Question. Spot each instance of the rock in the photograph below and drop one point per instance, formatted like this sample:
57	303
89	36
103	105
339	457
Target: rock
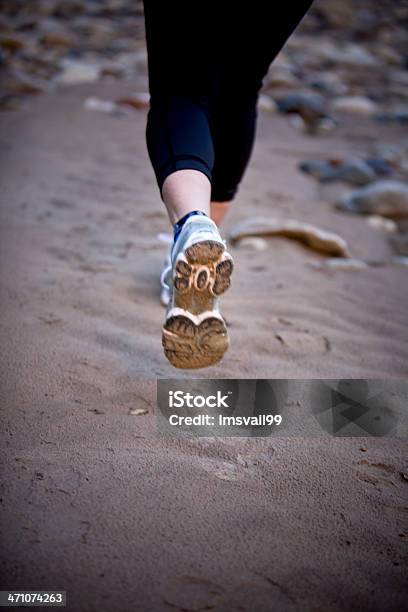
138	411
325	125
344	263
348	55
77	71
329	83
253	243
385	198
382	224
313	237
352	171
103	106
310	107
281	78
358	105
317	168
138	101
114	70
266	103
380	166
304	104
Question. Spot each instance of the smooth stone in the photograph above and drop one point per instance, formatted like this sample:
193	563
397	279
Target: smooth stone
386	198
358	105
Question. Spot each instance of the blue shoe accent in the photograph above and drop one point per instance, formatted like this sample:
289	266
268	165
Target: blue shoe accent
179	225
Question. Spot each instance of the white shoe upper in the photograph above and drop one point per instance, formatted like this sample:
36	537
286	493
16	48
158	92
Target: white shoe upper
166	281
196	229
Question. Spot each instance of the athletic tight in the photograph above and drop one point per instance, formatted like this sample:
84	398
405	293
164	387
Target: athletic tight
206	63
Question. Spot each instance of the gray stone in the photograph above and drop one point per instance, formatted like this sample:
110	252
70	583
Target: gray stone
386	198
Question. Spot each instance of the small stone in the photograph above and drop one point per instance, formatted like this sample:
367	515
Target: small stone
350	56
385	198
380	166
346	263
326	125
266	103
308	106
76	71
358	105
139	101
317	168
380	223
352	171
103	106
282	78
138	411
253	243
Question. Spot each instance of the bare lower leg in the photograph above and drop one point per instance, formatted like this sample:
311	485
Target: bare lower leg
184	191
218	211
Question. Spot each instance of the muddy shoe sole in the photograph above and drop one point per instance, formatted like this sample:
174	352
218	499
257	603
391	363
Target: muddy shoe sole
191	344
201	274
195	335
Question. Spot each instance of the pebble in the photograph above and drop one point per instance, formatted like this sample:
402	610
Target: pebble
386	198
77	71
138	411
267	104
138	101
344	263
253	243
358	105
380	223
103	106
353	171
304	104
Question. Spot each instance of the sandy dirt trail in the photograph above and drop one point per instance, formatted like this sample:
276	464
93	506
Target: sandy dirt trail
93	500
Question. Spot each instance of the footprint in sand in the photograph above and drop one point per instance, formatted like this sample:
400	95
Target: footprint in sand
230	460
54	479
378	473
303	342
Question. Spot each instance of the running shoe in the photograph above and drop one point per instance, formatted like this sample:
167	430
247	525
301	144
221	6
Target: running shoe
194	333
166	281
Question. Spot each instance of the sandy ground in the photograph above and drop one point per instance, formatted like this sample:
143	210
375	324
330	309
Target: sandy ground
93	501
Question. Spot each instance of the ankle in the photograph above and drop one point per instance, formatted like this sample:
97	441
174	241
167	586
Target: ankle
178	226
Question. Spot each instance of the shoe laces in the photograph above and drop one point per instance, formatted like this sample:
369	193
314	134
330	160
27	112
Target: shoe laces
163	277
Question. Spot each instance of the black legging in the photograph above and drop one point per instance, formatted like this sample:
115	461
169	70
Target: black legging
206	65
